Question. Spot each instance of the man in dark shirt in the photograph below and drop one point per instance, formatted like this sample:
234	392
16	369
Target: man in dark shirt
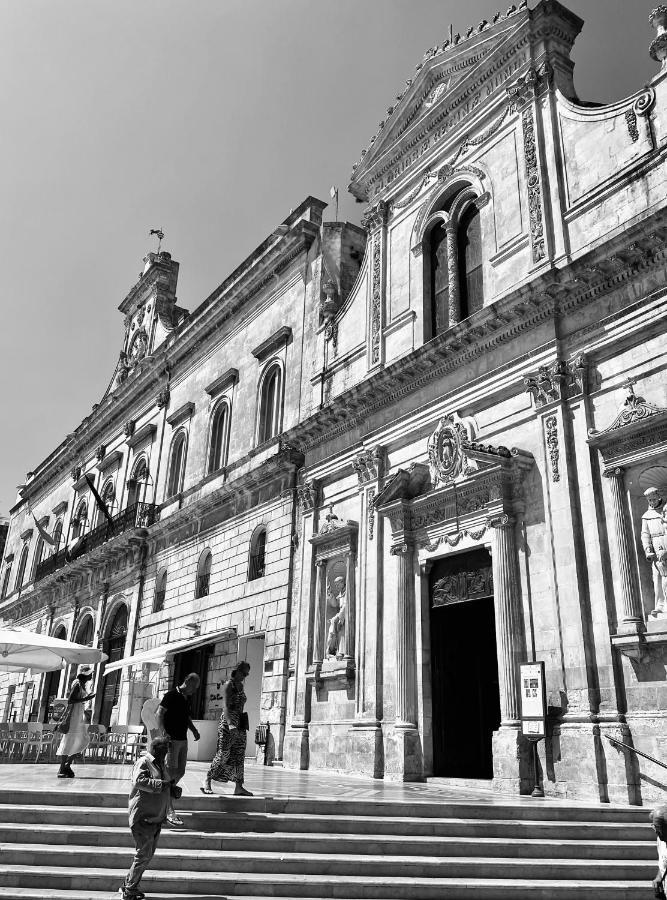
174	720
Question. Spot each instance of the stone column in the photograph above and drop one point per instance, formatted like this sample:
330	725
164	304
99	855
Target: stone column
630	608
453	274
406	684
350	612
318	612
509	625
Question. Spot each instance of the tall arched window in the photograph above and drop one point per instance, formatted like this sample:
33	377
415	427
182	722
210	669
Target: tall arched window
270	404
39	554
219	428
114	647
57	535
80	520
176	464
471	284
439	279
136	485
5	581
108	496
257	562
85	632
203	586
20	572
160	590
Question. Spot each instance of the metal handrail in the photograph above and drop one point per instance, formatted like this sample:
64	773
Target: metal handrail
638	752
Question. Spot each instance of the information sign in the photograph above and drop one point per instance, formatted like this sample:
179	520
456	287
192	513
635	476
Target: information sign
533	700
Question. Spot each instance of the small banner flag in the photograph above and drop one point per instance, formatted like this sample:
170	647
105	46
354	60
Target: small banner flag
43	533
98	499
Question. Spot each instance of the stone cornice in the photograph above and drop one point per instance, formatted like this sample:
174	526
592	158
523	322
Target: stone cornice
231	376
282	336
181	414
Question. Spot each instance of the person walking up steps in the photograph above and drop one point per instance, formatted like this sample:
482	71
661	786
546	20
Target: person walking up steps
150	798
229	762
174	720
74	727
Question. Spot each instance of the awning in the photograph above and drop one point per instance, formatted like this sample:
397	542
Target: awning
158	655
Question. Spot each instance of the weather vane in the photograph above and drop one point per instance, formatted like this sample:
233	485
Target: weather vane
159	233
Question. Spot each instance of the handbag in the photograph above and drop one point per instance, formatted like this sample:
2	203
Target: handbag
244	722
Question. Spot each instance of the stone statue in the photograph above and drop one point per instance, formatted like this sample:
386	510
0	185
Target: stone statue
336	636
654	542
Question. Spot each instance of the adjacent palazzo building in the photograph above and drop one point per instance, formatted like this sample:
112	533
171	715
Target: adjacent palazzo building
388	465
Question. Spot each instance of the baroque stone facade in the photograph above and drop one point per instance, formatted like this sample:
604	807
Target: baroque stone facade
440	455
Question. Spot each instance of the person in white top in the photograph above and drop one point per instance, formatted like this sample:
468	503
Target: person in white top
659	822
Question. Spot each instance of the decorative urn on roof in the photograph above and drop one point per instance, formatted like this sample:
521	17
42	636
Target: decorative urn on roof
658	47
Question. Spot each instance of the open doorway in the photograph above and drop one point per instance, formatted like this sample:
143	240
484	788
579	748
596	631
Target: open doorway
464	666
251	649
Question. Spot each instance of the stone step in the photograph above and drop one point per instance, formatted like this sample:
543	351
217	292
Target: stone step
293	842
201	863
483	809
360	825
176	884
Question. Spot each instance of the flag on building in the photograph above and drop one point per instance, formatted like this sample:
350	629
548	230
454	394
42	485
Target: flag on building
43	533
100	503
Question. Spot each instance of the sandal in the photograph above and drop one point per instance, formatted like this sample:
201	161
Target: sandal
206	790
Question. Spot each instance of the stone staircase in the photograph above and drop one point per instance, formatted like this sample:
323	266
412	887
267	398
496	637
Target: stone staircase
77	845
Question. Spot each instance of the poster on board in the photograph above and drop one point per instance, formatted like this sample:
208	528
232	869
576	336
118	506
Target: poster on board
533	700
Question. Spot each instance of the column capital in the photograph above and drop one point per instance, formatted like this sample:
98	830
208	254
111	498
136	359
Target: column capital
503	520
614	472
321	563
400	549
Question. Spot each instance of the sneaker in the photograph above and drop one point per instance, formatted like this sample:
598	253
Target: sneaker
173	819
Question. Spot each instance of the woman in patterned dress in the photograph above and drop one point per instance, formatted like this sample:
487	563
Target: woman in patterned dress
228	763
77	737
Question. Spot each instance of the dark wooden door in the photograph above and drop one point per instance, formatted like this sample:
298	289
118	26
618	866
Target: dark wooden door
464	666
114	647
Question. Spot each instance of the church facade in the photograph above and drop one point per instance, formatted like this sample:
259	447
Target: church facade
391	464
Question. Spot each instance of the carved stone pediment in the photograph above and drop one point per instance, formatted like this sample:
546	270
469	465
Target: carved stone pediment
638	431
335	538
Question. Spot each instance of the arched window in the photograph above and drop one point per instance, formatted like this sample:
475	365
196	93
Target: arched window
203	585
439	279
39	554
80	520
219	428
5	581
136	483
176	464
160	591
20	572
108	496
270	404
57	535
471	283
85	632
257	563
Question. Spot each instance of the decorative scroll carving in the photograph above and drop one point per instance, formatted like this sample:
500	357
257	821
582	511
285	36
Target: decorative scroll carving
370	513
551	426
162	398
461	586
534	188
631	122
634	409
446	456
376	301
559	380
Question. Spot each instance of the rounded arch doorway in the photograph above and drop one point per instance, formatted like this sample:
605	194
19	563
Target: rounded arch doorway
114	647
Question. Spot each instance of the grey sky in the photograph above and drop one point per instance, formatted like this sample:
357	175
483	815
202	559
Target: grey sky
211	119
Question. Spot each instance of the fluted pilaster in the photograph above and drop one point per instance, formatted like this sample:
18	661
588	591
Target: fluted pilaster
509	625
406	674
630	606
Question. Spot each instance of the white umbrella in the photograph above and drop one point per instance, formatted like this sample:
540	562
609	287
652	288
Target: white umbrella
21	650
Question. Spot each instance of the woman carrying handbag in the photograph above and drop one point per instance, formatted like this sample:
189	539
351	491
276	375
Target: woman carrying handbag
74	727
228	763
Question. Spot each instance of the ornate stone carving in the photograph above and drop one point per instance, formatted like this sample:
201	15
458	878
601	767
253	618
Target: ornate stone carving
631	122
557	381
370	512
447	459
332	523
76	473
453	539
534	186
531	85
162	398
336	633
376	216
658	47
654	542
368	464
376	301
634	409
129	427
460	586
101	452
551	426
307	495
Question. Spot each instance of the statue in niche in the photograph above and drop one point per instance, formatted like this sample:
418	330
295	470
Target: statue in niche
139	346
654	542
336	635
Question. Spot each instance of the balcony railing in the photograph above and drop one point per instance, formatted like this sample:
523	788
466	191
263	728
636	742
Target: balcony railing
140	515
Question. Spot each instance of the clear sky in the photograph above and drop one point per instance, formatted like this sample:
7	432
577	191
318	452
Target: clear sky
210	119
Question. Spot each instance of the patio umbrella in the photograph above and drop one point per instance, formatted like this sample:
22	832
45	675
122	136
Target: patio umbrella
21	650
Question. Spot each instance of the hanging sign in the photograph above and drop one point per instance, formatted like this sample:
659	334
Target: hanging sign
533	700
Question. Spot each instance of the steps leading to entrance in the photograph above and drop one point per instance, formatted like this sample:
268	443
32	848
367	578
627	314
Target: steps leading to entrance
77	845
